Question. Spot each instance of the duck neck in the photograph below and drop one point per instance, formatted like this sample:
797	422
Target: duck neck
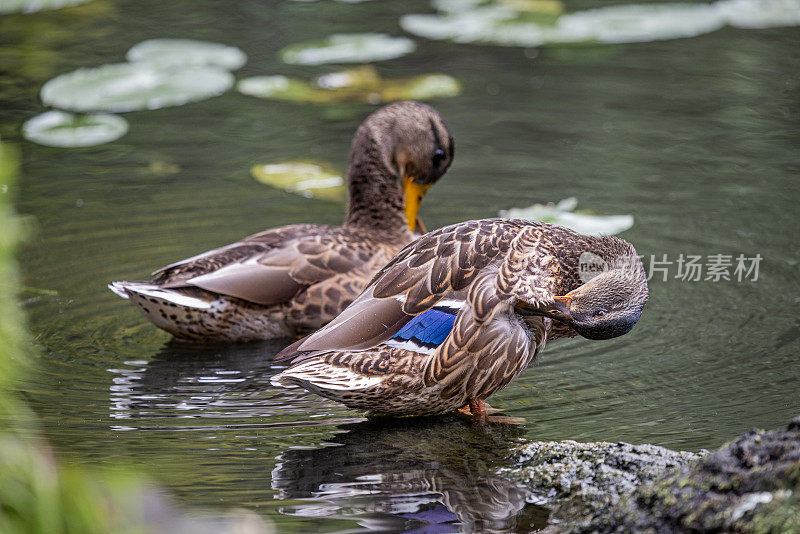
375	200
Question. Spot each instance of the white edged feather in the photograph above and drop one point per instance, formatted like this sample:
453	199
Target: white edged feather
150	290
319	375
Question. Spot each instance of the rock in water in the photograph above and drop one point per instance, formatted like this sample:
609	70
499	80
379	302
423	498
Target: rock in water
580	482
751	484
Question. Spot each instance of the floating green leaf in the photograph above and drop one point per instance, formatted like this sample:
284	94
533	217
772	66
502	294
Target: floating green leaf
562	214
348	48
279	88
760	13
32	6
535	23
61	129
361	84
302	177
420	88
123	87
187	52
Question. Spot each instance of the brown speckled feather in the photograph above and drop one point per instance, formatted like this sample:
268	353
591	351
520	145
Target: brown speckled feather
482	268
294	279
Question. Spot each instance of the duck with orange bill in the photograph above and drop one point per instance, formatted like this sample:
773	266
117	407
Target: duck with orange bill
461	312
293	279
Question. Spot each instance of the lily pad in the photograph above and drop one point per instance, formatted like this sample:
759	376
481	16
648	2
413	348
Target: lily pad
361	84
635	23
422	87
62	129
760	13
302	177
123	87
562	214
32	6
279	88
348	48
365	78
187	52
526	23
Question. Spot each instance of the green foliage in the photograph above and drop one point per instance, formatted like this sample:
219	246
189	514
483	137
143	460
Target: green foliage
37	494
13	340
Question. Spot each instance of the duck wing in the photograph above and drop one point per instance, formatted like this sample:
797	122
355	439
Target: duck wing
435	271
272	266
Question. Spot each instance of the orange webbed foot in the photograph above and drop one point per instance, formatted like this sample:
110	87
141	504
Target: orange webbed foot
479	411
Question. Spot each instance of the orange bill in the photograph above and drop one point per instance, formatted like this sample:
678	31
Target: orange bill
412	197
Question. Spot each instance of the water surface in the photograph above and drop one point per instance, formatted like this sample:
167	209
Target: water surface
698	139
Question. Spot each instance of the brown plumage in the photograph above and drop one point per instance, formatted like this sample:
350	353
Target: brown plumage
462	311
293	279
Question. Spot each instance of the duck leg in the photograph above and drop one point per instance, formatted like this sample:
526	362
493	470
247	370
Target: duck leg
479	411
467	411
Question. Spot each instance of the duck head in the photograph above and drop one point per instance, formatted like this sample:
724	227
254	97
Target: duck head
605	307
407	143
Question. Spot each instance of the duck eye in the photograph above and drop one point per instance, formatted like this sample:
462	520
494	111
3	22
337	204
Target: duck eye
599	313
438	156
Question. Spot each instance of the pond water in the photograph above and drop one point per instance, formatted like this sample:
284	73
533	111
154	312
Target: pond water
698	139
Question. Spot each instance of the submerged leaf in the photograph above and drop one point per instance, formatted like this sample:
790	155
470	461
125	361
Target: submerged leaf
535	23
348	48
306	178
187	52
61	129
32	6
123	87
562	215
361	84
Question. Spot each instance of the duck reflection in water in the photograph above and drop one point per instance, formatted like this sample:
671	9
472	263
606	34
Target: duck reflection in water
212	384
428	475
419	475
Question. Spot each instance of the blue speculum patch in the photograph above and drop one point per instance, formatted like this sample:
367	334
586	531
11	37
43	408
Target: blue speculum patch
429	329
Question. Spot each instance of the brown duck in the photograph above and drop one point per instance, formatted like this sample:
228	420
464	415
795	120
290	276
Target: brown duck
462	311
294	279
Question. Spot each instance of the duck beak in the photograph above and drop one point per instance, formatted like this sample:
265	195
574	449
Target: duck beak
561	307
558	310
412	197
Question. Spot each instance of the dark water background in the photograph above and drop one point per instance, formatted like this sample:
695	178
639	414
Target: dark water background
698	139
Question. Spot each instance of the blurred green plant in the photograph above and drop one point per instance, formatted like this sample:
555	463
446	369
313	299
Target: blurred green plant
39	494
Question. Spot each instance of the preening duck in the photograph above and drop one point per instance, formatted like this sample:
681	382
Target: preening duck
462	311
293	279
